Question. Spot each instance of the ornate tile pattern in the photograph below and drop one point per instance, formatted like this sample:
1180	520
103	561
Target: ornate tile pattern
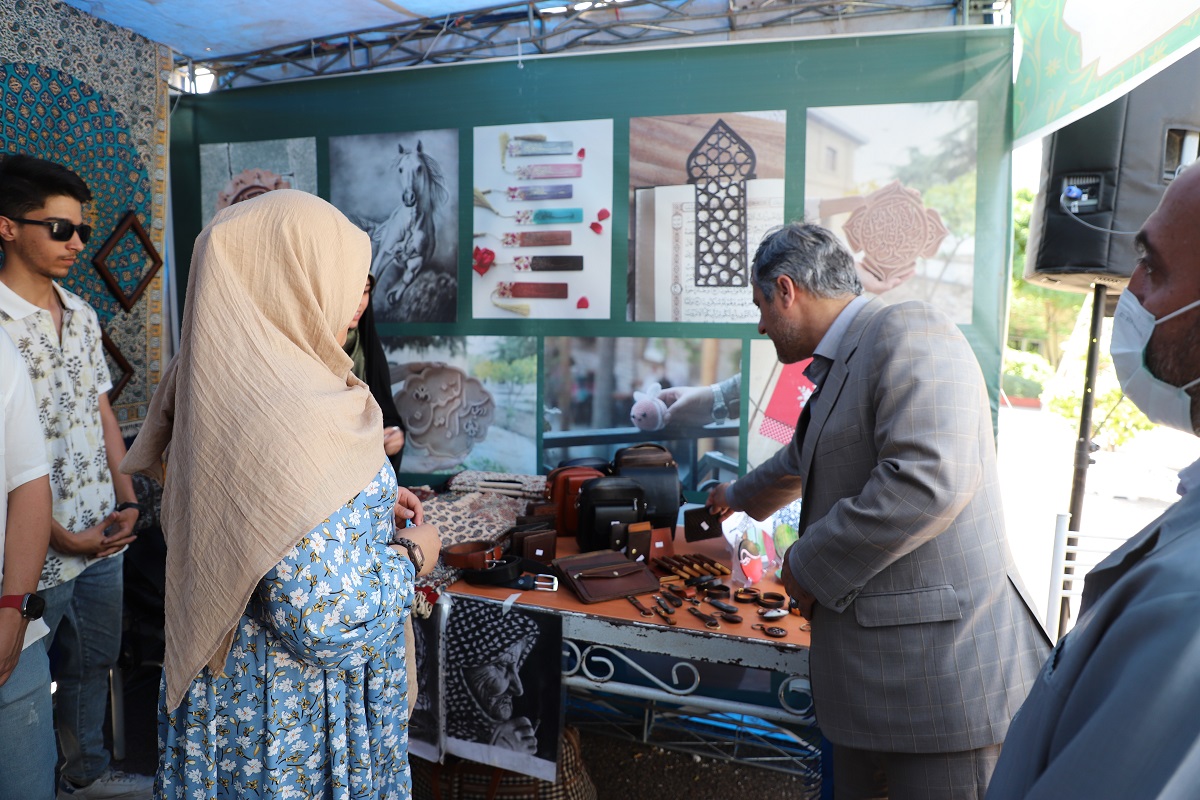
93	97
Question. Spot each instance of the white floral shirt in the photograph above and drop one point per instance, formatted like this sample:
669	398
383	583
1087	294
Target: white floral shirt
68	378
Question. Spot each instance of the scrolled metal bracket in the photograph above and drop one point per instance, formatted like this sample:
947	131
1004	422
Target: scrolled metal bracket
598	663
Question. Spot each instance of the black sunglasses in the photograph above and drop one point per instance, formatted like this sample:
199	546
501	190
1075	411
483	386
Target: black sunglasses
60	229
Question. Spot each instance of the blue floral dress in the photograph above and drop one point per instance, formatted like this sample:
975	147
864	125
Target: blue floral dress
314	700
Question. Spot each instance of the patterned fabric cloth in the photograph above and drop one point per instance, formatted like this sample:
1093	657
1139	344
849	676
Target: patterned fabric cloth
467	517
313	700
67	382
86	94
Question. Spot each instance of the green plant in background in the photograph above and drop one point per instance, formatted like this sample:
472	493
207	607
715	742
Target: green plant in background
1025	373
1114	420
1039	319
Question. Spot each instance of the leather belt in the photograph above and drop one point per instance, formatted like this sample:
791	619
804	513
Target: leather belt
472	555
507	572
498	573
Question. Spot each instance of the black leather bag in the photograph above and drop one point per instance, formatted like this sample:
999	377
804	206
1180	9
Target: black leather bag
605	504
654	468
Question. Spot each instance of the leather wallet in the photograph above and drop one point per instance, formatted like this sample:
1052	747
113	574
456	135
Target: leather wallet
700	523
536	545
637	541
604	575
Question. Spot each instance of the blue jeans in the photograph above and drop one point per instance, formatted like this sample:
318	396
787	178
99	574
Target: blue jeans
28	756
84	616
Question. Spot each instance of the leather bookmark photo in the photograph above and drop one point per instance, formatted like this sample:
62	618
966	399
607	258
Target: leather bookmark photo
537	239
555	291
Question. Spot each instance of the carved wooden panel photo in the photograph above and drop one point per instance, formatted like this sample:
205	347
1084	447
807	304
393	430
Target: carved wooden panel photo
468	402
897	184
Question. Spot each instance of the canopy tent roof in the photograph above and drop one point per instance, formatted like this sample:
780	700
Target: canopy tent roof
250	41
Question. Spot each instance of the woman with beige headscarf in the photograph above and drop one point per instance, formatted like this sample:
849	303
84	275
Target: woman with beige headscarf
286	595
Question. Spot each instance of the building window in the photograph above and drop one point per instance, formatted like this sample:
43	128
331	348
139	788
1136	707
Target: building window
831	154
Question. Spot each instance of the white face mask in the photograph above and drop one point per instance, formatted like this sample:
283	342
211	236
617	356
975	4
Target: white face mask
1159	401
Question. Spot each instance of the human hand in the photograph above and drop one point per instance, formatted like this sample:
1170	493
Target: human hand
93	542
718	501
393	440
12	638
408	507
878	284
517	734
805	600
688	405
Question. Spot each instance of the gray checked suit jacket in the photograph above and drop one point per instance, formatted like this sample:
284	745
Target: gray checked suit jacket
923	640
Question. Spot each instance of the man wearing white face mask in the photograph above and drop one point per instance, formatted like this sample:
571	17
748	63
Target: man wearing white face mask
1116	709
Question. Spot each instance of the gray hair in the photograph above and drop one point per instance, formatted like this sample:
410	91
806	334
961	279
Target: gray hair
811	256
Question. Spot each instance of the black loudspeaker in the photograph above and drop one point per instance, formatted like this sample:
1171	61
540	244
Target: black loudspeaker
1121	158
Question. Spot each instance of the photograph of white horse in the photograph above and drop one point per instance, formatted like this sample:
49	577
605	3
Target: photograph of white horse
400	188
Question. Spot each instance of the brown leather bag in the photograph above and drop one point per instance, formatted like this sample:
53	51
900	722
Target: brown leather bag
562	489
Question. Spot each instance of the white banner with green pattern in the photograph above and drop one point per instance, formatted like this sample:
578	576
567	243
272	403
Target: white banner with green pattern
1076	56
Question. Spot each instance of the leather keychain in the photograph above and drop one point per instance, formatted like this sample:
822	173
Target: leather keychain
728	609
773	631
645	612
667	618
663	604
672	598
709	621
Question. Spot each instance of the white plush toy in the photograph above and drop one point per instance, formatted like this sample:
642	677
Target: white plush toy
648	412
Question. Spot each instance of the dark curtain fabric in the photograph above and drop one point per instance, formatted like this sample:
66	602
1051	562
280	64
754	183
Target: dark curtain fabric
377	375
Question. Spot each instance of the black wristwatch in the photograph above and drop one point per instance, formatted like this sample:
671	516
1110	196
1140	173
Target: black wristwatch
135	506
30	605
415	554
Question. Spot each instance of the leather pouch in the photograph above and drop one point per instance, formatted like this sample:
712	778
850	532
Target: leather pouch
537	545
562	488
604	503
637	541
699	523
643	455
604	575
653	466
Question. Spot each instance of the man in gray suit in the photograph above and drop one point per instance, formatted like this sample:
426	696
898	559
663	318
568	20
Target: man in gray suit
1116	709
923	644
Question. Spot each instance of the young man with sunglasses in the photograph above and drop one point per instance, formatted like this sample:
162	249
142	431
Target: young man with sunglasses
95	508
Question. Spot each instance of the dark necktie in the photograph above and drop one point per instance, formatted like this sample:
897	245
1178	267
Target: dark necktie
816	372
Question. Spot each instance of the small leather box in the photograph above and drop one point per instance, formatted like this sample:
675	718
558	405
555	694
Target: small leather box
700	523
540	545
637	541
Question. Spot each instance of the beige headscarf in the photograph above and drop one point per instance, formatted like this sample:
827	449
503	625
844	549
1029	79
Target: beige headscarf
269	431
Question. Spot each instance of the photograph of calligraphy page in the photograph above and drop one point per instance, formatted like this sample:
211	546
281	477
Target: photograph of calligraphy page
678	297
703	189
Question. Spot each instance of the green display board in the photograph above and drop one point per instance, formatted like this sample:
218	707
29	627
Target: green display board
782	91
